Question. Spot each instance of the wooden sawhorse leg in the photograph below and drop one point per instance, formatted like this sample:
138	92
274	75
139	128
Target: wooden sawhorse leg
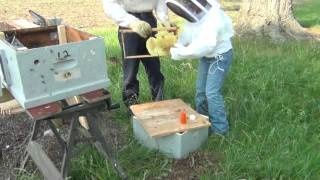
46	166
38	155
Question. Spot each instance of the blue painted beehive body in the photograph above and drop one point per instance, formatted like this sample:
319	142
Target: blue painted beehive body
43	71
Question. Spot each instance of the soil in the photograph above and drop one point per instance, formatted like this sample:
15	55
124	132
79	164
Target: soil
77	13
15	132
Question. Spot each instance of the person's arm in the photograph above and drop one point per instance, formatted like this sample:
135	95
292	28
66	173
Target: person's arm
201	46
197	47
113	10
162	11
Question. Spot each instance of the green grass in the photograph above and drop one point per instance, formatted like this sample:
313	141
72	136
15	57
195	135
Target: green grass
273	104
273	101
308	13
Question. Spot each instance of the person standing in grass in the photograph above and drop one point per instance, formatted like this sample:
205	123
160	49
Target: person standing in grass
138	15
207	35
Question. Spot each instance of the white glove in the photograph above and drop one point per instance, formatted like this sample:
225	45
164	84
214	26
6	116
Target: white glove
179	52
175	54
142	28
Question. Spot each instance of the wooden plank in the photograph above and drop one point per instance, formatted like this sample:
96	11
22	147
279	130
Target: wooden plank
140	56
75	35
95	96
5	26
44	110
22	24
62	34
163	118
37	37
170	29
2	35
43	162
74	100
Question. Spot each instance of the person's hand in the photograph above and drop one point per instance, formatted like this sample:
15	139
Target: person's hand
175	54
142	28
181	52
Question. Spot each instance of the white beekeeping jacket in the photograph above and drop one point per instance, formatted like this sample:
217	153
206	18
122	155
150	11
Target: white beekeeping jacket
209	37
118	9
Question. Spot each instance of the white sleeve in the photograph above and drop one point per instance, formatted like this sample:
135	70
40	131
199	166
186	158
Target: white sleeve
201	46
162	11
184	37
113	10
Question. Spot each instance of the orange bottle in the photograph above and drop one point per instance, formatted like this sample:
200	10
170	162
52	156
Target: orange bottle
183	117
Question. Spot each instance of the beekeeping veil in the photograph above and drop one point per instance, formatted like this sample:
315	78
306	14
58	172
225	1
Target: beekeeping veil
191	10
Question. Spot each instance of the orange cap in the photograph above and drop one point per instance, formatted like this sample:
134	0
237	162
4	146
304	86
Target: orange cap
183	117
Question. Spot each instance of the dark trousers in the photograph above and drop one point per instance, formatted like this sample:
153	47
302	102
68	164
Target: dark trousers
136	45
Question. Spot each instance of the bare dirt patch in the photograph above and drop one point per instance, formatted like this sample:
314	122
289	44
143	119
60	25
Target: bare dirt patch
15	132
77	13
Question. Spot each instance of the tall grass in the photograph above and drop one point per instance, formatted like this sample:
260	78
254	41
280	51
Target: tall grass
308	13
273	101
273	105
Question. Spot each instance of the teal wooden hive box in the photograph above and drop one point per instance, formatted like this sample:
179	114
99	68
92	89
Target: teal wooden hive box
157	126
36	69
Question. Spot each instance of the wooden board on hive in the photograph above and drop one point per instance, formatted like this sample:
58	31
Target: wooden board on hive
22	24
163	118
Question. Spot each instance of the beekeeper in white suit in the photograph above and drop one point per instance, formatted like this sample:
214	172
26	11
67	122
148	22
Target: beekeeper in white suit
206	35
138	16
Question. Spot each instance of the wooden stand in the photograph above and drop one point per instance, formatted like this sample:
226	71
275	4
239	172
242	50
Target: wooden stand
94	102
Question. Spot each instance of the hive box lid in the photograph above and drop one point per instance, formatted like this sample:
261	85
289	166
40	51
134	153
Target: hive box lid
16	25
163	118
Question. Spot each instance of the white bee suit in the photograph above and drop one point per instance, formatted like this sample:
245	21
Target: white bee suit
118	10
208	37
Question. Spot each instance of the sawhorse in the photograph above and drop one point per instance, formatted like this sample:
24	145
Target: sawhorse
91	106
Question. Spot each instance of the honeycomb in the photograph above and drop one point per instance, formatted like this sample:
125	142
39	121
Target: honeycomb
160	44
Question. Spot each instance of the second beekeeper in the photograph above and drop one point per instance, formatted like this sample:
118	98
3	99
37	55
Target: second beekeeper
138	15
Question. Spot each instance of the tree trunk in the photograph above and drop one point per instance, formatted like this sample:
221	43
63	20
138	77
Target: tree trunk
272	18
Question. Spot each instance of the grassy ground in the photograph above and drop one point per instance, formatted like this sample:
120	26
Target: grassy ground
272	98
308	13
273	105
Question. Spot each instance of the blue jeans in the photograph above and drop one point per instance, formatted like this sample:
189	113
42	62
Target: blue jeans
209	100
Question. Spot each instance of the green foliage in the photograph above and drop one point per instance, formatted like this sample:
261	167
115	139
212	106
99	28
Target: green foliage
272	98
273	103
308	13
